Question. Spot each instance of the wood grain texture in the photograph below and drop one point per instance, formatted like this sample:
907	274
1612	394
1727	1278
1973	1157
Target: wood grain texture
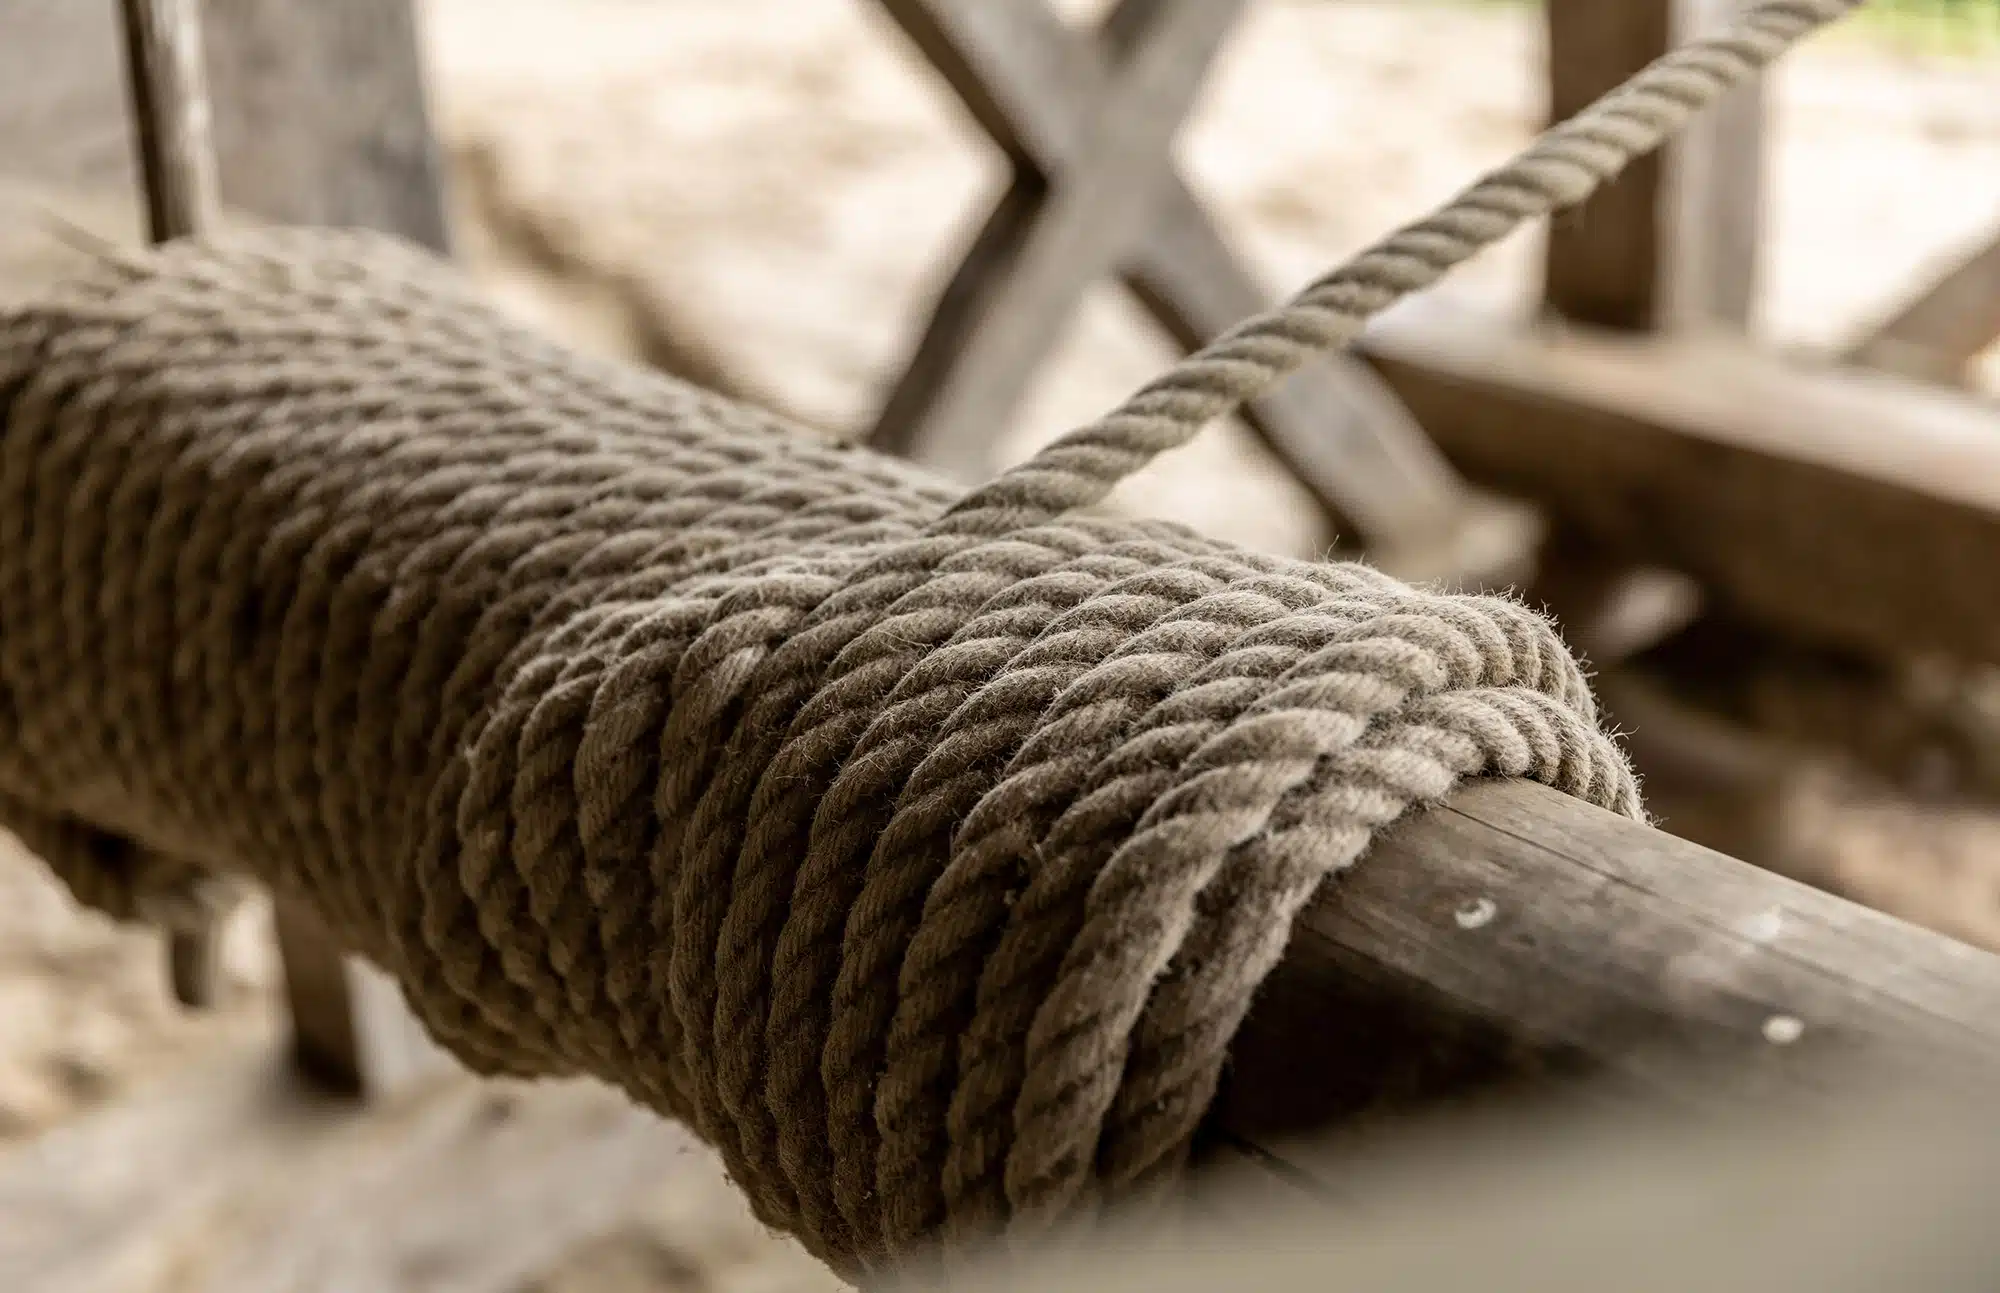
1516	939
1846	506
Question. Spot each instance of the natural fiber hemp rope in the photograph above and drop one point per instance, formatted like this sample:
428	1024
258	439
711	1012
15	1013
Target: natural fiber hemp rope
923	856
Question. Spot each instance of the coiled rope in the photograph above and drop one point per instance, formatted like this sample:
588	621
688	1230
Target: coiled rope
923	855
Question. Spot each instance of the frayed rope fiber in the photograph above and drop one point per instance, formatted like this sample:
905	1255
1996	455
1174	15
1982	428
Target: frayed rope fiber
923	853
927	875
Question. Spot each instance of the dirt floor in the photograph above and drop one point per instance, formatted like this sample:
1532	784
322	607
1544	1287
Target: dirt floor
764	194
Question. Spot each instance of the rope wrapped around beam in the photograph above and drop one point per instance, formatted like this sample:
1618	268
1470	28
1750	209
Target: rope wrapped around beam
922	852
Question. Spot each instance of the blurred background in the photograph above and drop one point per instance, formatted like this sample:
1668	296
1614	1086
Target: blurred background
764	196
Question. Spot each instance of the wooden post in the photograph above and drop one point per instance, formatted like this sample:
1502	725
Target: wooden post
321	119
163	55
1605	262
1672	244
1674	241
1717	173
169	100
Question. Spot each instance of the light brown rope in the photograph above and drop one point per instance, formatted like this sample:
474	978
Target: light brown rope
924	858
1559	170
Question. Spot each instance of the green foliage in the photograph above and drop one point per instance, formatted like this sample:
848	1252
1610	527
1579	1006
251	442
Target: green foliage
1946	26
1969	27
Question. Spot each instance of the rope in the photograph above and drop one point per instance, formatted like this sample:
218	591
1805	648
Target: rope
923	856
640	736
1560	170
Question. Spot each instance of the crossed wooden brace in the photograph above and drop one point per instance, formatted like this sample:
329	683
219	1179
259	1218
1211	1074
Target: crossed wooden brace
1089	121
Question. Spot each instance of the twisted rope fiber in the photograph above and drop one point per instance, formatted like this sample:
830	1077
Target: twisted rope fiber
923	856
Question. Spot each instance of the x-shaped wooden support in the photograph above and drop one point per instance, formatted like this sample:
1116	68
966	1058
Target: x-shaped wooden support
1089	124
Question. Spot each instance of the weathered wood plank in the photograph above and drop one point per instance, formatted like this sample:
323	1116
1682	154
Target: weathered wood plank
1847	506
1077	234
234	1176
1034	84
1516	938
1948	323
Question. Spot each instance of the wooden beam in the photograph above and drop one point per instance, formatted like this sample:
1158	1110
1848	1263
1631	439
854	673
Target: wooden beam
1946	326
234	1178
1034	84
321	118
352	1032
1514	938
1846	506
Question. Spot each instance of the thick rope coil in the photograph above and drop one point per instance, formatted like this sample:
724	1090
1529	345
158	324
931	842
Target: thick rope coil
640	736
924	857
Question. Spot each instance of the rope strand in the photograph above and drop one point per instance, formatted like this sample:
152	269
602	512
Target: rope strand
1561	169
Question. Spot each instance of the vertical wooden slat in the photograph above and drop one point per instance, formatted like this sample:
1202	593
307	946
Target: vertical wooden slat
1718	174
322	116
1674	242
163	60
1605	262
321	119
163	64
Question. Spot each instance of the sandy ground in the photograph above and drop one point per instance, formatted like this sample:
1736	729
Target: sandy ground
766	192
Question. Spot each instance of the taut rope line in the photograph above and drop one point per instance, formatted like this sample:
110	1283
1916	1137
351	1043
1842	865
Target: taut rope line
1561	169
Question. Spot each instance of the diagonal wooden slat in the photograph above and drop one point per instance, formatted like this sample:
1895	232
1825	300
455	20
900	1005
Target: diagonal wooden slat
1025	288
1946	326
1037	86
